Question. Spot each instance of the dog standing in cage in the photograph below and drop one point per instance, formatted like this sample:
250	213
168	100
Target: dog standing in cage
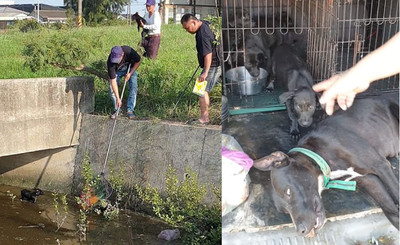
291	73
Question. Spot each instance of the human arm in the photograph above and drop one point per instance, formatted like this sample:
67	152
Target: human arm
114	87
156	25
381	63
206	69
133	69
134	59
112	75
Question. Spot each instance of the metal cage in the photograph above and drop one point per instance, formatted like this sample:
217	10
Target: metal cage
329	35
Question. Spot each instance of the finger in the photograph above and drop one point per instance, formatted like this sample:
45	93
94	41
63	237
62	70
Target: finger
322	86
329	107
350	99
341	100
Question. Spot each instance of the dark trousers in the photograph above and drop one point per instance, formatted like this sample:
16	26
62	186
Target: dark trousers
151	45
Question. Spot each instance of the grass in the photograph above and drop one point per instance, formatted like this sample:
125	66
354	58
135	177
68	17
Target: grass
160	81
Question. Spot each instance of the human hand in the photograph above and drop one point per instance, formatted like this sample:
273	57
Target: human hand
118	103
202	76
341	88
127	76
141	23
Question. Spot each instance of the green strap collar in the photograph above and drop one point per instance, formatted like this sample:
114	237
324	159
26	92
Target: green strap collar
326	170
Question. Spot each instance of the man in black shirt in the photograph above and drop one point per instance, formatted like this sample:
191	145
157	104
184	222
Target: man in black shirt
208	56
117	65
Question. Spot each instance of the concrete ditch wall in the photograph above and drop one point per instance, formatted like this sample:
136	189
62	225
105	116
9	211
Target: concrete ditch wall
145	149
44	113
39	124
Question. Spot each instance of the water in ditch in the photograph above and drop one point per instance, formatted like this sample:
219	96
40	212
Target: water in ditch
23	222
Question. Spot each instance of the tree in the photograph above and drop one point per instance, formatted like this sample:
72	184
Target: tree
96	11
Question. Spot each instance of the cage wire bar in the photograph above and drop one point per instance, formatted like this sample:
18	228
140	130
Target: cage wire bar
330	35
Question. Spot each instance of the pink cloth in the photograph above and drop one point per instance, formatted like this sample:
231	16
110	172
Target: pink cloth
238	157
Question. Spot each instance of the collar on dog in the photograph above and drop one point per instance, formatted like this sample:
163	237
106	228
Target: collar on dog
326	170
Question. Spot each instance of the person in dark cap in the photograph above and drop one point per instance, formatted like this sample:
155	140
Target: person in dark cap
209	55
151	42
117	65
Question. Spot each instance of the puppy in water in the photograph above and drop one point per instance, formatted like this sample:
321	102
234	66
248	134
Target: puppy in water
31	196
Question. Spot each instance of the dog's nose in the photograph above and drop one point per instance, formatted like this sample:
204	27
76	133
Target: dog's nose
301	229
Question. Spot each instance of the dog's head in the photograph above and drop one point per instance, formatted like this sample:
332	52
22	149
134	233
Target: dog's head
301	98
253	62
295	191
136	17
38	192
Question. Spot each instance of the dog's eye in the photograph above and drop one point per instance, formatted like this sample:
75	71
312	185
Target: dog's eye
287	192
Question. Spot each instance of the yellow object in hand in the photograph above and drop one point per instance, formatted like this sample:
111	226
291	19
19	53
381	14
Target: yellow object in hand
200	87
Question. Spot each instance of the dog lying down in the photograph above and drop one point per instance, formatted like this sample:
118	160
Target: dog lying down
355	144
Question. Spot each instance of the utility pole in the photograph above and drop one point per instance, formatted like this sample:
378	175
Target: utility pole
194	7
38	7
79	13
129	14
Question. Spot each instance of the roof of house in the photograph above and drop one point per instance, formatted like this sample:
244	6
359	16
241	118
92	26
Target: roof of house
51	14
11	11
31	7
8	13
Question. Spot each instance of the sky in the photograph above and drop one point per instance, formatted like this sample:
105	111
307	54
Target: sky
136	5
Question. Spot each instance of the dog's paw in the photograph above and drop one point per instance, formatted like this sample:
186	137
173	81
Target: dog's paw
269	90
295	134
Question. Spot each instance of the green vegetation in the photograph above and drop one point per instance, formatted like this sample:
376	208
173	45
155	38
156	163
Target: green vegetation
98	11
54	53
60	206
182	207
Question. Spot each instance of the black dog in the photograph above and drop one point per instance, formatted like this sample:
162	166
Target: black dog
290	72
136	17
355	144
31	196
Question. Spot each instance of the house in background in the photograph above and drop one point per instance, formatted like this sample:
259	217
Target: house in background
9	15
51	16
47	13
175	9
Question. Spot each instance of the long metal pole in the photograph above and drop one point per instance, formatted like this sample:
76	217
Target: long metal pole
38	7
79	13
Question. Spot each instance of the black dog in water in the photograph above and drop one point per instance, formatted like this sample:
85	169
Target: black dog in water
136	17
31	196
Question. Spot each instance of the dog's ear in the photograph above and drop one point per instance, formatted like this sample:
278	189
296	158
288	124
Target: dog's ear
276	159
285	97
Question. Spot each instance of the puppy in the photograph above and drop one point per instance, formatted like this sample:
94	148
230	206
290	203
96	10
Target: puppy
31	196
136	17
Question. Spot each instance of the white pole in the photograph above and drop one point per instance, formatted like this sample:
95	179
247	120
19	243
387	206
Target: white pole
38	16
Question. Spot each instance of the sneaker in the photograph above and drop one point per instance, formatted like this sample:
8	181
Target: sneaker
114	115
130	115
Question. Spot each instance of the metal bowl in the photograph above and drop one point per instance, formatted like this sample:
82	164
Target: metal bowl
240	81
